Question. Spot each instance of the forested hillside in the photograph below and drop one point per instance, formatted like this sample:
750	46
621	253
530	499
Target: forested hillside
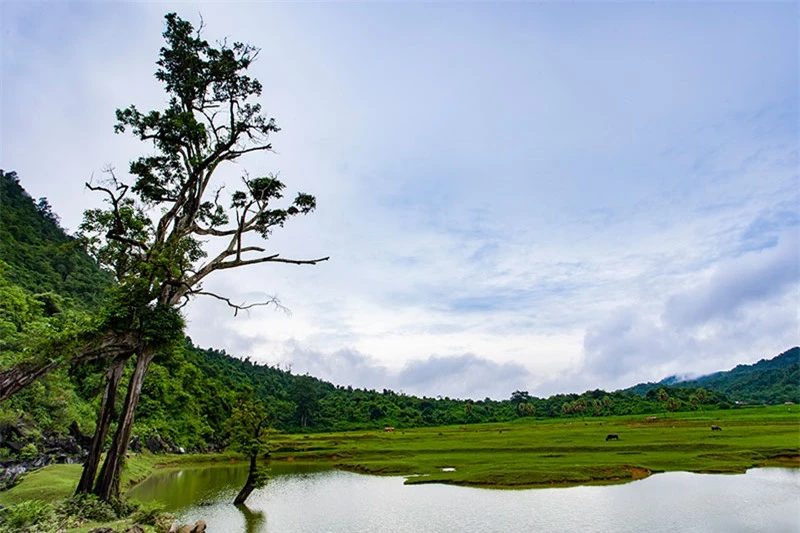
769	381
40	256
48	284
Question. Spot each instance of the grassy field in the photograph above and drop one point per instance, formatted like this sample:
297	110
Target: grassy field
525	453
530	453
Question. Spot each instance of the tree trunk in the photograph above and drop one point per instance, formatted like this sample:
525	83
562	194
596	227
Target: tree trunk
107	486
111	344
250	484
20	376
104	416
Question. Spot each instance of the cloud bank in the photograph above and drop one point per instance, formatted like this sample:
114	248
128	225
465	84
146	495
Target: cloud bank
542	197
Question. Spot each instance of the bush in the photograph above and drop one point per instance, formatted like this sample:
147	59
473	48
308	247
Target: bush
32	515
152	514
29	451
87	507
124	507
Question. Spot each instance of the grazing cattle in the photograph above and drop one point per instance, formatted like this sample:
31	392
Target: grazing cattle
612	436
387	428
716	428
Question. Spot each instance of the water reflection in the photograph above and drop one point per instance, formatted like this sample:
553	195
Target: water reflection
311	499
181	488
254	521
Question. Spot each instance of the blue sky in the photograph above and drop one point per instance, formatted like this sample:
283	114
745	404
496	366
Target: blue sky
547	197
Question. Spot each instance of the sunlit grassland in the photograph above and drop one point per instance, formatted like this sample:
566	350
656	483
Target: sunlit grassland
533	452
51	483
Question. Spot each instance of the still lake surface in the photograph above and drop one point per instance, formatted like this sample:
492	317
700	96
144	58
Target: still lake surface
305	498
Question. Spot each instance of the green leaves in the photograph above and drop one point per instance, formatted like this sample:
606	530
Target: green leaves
260	192
265	189
211	118
247	428
41	327
130	308
304	203
38	255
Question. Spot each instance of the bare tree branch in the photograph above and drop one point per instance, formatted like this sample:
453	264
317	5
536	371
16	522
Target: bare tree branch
118	233
212	231
270	259
240	307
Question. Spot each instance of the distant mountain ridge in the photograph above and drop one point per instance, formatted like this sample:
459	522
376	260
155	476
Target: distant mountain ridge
771	381
678	379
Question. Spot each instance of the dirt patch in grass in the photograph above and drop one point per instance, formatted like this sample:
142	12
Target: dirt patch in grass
788	459
639	473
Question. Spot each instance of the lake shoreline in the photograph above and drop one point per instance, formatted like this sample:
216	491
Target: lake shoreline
302	497
541	453
527	454
176	462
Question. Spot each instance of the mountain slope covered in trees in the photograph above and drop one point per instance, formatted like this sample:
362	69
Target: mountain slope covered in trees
775	380
768	381
40	256
190	393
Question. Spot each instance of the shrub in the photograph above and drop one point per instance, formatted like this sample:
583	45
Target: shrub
124	507
27	516
152	514
87	507
29	451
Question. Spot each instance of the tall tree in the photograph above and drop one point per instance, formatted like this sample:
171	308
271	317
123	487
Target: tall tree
520	396
153	232
304	395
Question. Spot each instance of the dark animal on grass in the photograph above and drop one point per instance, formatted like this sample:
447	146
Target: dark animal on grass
716	428
612	436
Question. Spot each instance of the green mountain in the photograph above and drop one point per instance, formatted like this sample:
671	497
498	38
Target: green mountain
42	258
769	381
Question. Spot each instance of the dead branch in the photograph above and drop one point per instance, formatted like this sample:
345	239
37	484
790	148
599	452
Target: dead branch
239	307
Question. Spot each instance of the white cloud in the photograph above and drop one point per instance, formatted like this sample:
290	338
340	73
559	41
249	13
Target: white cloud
742	305
492	196
736	283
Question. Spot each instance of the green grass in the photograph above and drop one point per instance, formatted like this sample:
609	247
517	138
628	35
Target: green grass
530	453
525	453
54	482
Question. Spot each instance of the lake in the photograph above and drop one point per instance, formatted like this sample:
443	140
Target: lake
312	498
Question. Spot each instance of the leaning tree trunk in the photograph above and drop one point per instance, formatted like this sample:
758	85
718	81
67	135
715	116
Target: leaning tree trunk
107	486
110	344
250	484
104	416
20	376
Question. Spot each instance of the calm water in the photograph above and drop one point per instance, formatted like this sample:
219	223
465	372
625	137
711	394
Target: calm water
313	499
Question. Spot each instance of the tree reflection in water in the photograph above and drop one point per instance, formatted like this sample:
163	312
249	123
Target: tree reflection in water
254	521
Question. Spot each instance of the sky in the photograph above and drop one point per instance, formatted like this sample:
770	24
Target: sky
515	196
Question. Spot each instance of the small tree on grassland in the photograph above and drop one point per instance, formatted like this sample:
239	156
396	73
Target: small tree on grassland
248	434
